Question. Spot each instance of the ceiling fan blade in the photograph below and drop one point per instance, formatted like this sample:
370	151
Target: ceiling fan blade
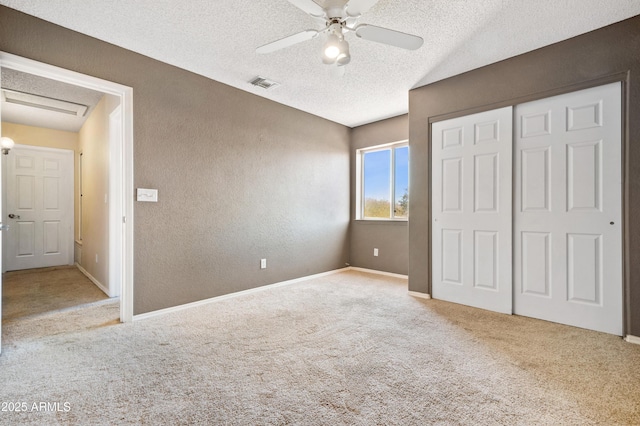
356	8
387	36
310	7
287	41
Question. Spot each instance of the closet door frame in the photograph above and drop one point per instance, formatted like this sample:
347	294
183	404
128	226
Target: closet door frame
621	77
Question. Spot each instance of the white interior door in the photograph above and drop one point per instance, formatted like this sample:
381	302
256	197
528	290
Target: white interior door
567	215
472	210
39	208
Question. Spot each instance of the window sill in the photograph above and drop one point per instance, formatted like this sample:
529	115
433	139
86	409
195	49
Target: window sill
382	221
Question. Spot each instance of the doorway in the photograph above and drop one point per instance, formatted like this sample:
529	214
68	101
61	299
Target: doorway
120	217
539	235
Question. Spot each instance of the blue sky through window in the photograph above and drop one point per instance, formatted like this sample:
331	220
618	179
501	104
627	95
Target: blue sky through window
377	173
377	169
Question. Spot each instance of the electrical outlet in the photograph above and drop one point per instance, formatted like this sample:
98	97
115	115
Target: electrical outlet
375	251
263	263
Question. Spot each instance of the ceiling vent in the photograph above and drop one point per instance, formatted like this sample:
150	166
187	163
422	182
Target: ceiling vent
264	83
42	102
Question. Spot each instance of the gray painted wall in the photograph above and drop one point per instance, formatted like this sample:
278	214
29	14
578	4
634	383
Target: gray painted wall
239	177
391	238
605	55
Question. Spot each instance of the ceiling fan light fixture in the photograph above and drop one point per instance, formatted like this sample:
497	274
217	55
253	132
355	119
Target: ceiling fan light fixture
344	57
328	61
331	49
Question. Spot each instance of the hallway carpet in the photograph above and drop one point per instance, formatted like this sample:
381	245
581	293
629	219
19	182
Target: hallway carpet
35	291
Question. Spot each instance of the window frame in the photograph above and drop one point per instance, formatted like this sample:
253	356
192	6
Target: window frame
360	153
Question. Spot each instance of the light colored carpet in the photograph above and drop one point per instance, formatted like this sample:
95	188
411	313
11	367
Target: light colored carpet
346	349
35	291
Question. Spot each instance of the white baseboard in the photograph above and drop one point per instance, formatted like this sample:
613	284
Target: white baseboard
374	271
232	295
93	280
632	339
419	295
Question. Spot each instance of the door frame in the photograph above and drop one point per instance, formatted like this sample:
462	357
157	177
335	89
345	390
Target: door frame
620	77
66	152
115	202
120	175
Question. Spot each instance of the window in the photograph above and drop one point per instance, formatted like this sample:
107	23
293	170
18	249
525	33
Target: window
383	182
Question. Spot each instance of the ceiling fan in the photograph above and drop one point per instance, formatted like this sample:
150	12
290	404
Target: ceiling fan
340	19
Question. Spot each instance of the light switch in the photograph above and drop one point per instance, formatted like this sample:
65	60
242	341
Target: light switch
148	195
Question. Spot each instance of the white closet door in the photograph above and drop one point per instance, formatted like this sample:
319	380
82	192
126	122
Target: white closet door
472	210
567	212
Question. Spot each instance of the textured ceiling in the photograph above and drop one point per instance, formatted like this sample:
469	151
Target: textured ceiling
35	85
218	38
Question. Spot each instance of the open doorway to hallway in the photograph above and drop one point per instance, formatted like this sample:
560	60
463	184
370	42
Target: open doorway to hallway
117	189
56	194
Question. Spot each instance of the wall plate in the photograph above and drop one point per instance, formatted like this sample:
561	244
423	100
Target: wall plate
147	195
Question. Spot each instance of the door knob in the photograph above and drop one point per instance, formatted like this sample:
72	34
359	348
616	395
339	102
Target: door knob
14	216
